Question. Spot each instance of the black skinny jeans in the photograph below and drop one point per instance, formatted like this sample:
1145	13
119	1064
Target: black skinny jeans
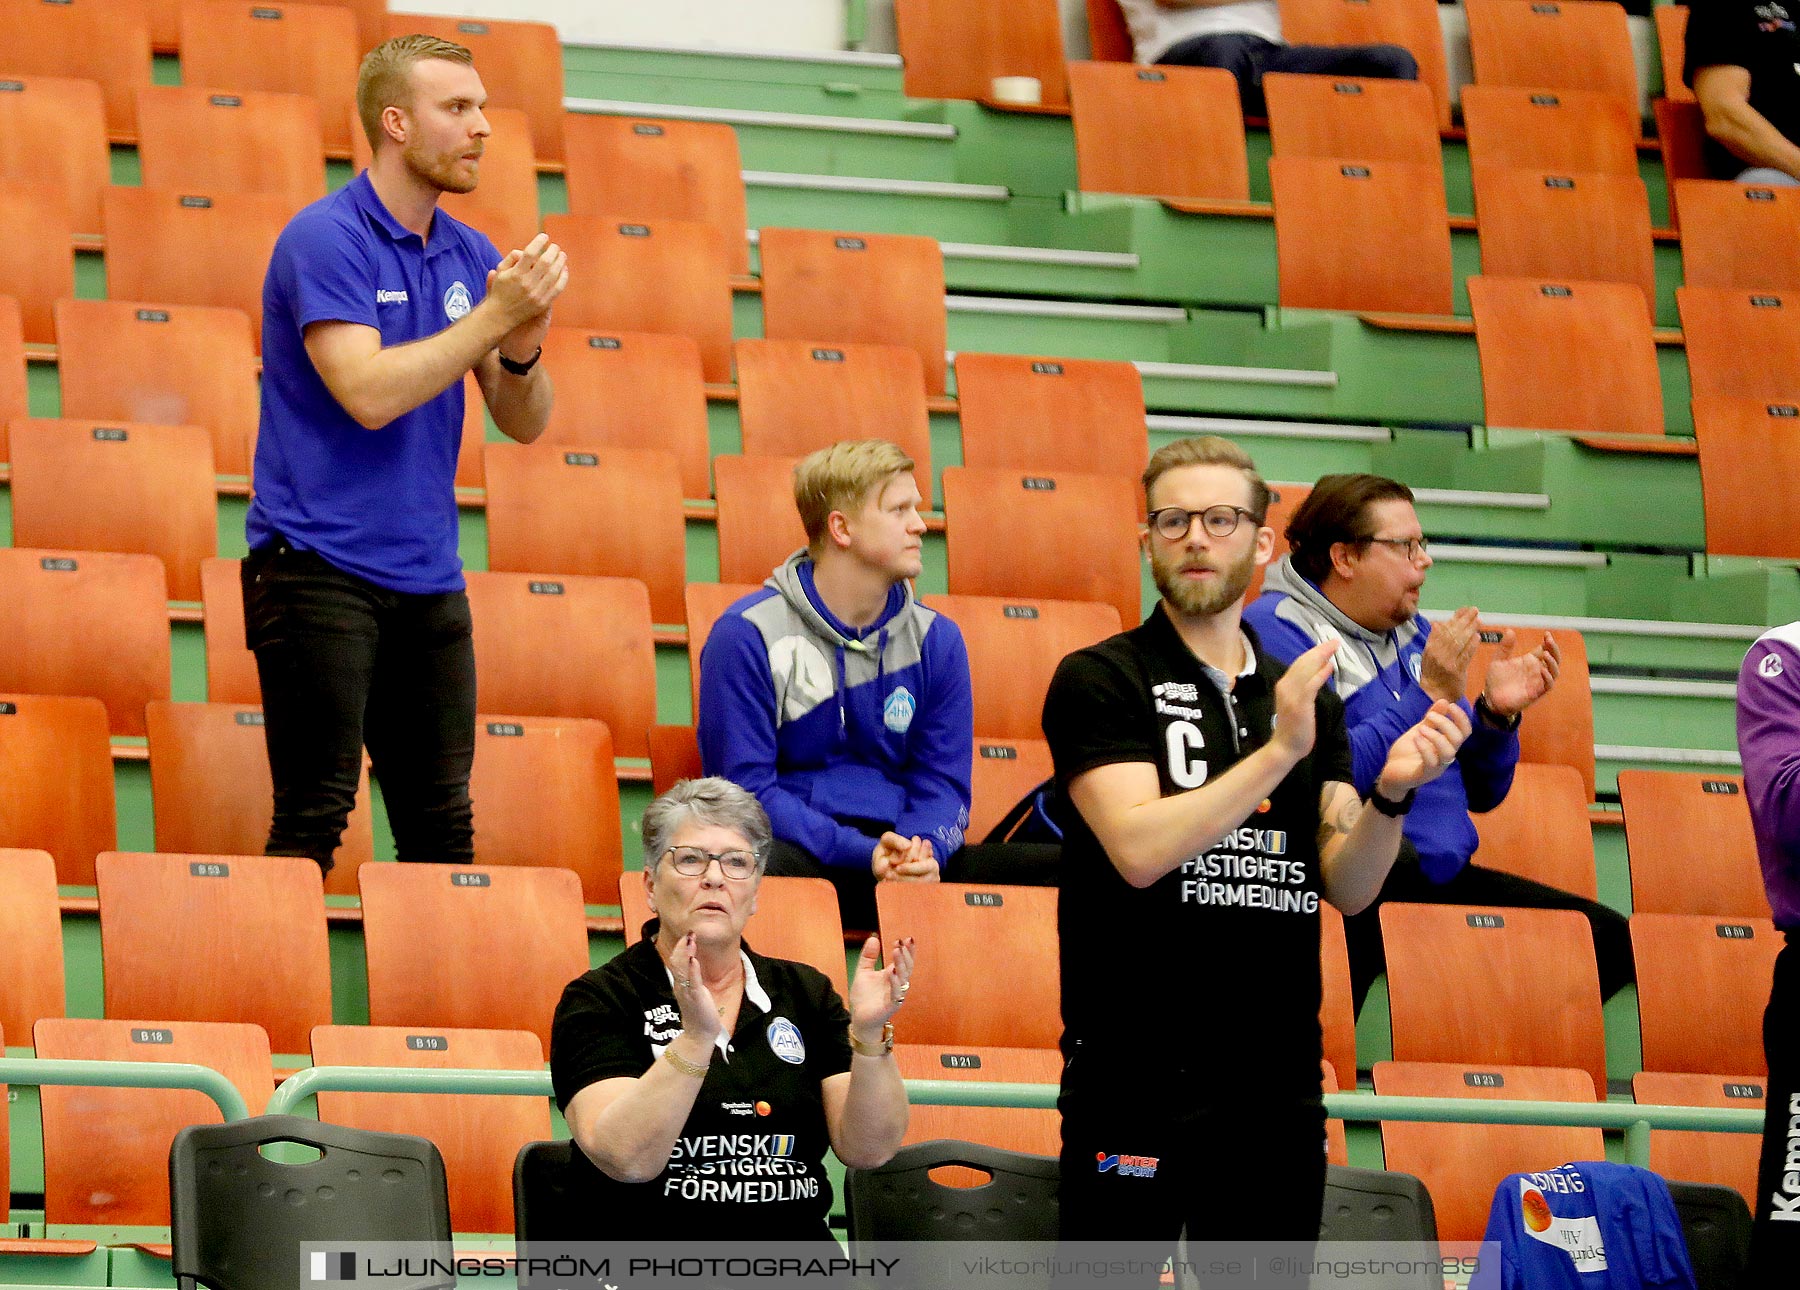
344	663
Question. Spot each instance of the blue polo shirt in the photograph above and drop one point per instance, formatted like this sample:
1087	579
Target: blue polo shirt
379	504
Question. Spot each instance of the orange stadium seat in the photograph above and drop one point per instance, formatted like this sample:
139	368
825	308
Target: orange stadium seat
230	666
106	41
1337	1146
546	793
1109	36
1559	729
849	288
1574	44
13	400
1081	530
504	205
521	66
795	918
630	390
1722	1159
371	20
37	255
504	942
1702	983
641	168
1337	1008
56	782
1512	986
89	623
597	630
1036	1131
187	248
1014	1000
794	397
953	49
469	473
1171	132
163	365
263	910
1748	456
106	1150
1015	645
1461	1164
31	947
1541	830
758	525
1741	236
1566	355
1561	130
670	276
255	142
706	604
1003	771
1690	844
1681	139
1410	24
1284	500
1355	235
1051	414
211	794
1343	116
479	1137
612	513
53	132
1741	344
674	756
1552	226
311	49
1671	44
92	486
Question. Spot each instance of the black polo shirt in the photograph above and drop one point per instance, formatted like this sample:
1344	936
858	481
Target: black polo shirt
749	1164
1760	38
1215	966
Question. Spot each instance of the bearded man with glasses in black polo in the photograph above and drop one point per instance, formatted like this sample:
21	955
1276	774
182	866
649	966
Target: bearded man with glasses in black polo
1206	797
1357	564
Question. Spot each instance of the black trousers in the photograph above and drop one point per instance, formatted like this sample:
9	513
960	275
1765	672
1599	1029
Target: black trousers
1775	1239
1016	864
344	664
1145	1156
1473	885
1249	57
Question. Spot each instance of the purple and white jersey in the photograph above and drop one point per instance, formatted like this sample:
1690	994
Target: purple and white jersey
1768	724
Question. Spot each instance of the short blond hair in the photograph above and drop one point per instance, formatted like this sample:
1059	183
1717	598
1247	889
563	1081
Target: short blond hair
385	78
840	477
1207	450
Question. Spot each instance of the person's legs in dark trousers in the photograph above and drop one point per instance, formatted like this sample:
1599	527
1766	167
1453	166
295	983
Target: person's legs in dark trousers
1011	864
420	725
1775	1239
1475	885
855	887
314	630
1222	1170
1248	58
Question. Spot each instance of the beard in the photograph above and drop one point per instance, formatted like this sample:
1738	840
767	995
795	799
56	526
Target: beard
1196	600
441	171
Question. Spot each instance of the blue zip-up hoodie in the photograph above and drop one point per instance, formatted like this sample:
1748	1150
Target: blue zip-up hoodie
826	724
1377	676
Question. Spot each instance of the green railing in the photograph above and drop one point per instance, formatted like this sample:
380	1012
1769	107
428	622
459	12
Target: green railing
201	1079
1633	1120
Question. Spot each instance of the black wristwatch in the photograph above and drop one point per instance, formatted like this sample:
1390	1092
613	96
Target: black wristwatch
1393	810
1494	719
520	369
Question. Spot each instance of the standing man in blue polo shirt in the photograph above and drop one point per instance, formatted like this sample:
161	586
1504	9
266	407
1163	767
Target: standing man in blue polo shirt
375	306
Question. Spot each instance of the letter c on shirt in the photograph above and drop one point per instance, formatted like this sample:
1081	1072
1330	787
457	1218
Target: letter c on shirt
1186	767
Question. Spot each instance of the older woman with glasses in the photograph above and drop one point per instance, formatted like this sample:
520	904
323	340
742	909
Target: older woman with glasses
701	1081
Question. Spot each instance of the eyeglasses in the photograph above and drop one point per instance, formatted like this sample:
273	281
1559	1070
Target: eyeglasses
693	862
1408	548
1174	523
